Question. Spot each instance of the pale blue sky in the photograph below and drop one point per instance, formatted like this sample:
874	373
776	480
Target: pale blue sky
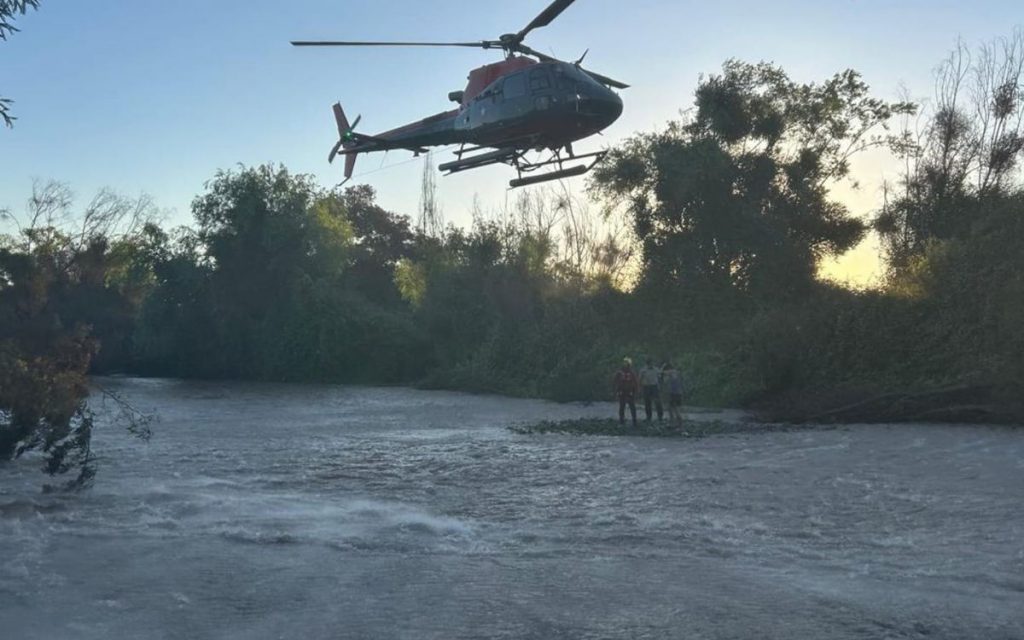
154	96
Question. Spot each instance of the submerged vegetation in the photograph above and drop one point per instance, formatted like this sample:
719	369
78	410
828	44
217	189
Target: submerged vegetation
707	251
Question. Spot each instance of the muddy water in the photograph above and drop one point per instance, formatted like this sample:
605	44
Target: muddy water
266	511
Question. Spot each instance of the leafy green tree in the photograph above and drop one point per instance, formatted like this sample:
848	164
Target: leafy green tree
44	359
8	10
738	195
264	227
380	240
174	334
58	307
269	236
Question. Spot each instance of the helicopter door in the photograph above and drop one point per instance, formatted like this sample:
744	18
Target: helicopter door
514	95
540	81
540	88
489	103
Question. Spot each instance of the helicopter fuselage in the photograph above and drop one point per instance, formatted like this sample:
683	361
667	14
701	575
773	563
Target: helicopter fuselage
531	106
544	105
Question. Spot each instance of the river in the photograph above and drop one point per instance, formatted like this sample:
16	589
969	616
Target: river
277	511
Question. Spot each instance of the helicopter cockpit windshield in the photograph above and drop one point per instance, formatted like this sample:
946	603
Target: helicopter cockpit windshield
570	77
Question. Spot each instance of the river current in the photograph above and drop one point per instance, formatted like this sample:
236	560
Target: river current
276	511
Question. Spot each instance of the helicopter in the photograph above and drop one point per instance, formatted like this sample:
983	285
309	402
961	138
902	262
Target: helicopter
527	102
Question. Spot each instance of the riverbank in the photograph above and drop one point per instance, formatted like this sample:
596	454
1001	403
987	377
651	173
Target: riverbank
687	428
859	403
961	403
965	403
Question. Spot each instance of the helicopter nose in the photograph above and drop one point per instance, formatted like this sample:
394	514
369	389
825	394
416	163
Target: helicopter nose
603	106
612	106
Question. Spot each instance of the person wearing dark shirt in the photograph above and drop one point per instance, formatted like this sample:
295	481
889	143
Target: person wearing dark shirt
626	388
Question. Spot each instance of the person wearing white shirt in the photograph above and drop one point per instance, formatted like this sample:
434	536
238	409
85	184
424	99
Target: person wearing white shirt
650	382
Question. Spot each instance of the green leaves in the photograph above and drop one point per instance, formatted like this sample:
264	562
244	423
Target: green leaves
737	195
11	8
8	10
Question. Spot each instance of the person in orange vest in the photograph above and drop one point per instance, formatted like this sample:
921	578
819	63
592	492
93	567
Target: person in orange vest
626	388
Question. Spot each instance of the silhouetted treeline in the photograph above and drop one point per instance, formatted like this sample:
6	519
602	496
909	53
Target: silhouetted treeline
727	216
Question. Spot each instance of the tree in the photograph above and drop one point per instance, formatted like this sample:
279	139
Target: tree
56	308
270	236
965	150
8	10
264	226
42	362
175	332
737	196
381	239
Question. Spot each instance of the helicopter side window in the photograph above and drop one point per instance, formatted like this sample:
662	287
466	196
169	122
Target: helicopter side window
539	80
515	86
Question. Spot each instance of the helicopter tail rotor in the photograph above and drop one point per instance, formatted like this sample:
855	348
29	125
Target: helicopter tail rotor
343	130
350	165
347	137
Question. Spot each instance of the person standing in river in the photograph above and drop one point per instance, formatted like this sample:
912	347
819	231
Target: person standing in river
650	380
626	387
674	383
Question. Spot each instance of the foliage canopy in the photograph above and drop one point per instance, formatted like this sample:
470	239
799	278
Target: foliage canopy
737	196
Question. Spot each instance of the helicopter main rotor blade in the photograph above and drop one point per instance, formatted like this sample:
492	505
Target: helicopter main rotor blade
482	44
605	80
545	17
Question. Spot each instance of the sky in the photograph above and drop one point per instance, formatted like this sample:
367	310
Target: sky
154	96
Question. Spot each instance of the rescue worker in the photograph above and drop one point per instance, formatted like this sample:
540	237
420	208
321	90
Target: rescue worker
626	388
650	380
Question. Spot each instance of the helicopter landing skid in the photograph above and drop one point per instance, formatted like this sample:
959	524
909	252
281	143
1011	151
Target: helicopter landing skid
517	158
561	172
